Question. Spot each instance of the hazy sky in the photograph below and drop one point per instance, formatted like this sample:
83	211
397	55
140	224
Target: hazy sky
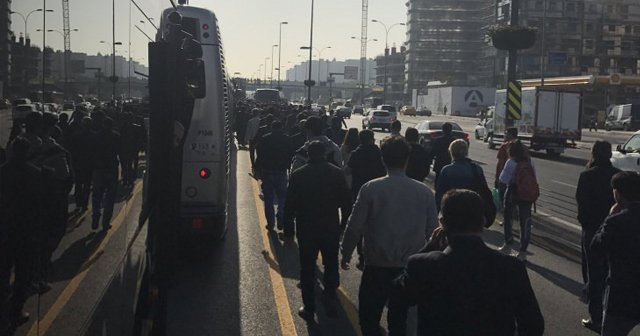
249	27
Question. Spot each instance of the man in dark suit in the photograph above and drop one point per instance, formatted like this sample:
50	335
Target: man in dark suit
316	191
440	149
594	196
618	239
469	289
273	159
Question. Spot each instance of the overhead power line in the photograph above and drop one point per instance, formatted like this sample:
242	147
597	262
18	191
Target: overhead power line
145	14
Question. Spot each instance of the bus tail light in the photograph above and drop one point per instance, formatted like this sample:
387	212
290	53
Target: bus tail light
205	173
197	223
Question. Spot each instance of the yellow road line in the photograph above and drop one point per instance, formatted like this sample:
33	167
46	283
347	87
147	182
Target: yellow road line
287	326
350	309
47	320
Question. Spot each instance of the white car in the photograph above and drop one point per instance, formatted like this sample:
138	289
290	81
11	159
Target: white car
482	130
377	119
627	156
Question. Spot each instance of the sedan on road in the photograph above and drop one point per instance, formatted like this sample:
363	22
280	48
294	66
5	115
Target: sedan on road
430	130
377	119
483	129
344	112
424	112
627	156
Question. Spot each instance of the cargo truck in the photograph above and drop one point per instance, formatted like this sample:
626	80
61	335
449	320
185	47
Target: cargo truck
550	118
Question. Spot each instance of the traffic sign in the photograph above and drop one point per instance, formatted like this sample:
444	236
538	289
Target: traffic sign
514	101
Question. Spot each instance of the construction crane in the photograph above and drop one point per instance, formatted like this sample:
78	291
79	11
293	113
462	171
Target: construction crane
66	28
363	48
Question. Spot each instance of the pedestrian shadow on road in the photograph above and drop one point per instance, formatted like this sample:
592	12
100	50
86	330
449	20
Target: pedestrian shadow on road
558	279
562	159
323	324
75	258
287	255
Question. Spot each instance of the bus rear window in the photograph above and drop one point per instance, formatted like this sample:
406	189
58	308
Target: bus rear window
190	25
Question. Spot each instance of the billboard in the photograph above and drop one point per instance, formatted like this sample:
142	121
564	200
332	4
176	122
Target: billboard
351	73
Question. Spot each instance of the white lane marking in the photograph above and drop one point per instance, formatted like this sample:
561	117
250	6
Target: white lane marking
564	184
560	221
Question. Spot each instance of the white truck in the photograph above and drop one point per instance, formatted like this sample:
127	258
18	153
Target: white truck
550	118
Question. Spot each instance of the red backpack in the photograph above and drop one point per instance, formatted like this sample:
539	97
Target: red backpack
527	188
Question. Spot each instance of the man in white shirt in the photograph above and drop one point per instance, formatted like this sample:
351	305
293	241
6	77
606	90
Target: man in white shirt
395	214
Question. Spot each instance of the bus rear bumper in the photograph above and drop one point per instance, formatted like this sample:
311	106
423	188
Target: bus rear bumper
212	223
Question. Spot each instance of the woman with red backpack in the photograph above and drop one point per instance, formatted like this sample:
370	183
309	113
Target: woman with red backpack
522	191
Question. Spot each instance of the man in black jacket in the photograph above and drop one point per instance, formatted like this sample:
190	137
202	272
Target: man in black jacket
440	149
419	160
594	196
21	196
618	239
365	162
463	291
272	161
81	152
105	173
316	191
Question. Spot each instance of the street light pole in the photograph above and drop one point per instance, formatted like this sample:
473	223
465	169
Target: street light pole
26	18
271	79
542	43
44	43
280	52
265	69
320	60
66	65
309	84
386	54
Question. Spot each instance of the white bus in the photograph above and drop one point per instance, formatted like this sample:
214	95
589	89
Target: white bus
207	147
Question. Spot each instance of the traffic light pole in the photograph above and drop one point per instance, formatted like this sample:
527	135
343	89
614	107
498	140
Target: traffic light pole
513	58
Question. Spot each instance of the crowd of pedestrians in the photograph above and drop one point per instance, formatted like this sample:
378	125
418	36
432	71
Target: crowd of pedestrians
47	157
338	192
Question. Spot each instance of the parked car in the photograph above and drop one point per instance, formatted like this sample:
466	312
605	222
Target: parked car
68	106
344	112
430	130
377	119
5	104
53	107
424	112
408	110
21	101
627	156
20	112
483	129
358	110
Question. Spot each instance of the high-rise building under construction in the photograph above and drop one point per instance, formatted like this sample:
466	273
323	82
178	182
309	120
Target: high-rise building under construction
445	40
